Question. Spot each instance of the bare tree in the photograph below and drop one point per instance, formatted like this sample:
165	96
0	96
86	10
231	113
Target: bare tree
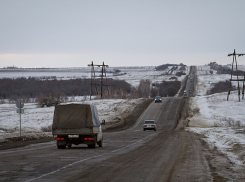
144	88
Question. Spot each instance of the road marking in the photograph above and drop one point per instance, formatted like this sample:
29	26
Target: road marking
71	164
138	121
145	113
161	112
28	148
63	168
139	130
142	115
131	144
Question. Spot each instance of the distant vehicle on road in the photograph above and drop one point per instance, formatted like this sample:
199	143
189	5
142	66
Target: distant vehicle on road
185	94
149	125
158	99
190	78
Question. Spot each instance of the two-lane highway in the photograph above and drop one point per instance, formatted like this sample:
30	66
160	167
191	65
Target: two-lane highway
190	84
44	161
129	155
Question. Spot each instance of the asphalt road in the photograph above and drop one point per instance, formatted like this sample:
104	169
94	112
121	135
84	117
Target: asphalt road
190	83
130	155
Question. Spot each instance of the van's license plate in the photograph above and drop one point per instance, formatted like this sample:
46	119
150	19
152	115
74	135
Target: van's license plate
73	136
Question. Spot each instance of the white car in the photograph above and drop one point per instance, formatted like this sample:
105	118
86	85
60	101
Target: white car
149	125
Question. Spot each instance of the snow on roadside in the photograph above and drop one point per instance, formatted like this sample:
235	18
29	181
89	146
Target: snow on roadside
227	140
220	121
35	118
205	82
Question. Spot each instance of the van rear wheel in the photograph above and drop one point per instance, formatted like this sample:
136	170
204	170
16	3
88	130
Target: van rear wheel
94	144
100	142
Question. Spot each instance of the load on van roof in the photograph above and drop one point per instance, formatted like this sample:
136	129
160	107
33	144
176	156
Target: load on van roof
75	116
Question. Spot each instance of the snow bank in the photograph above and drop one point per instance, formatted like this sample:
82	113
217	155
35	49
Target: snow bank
221	122
217	110
227	140
34	118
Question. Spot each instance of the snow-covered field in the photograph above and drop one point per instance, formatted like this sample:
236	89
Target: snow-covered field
222	122
34	118
132	75
206	80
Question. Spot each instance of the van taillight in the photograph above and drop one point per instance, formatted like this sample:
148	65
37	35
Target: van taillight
58	138
145	125
88	139
153	125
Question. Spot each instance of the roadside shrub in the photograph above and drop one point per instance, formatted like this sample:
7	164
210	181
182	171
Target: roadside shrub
228	122
219	87
46	128
231	122
169	88
50	99
196	110
216	124
165	88
237	147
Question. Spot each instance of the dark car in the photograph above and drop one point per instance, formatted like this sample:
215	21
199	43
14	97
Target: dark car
158	99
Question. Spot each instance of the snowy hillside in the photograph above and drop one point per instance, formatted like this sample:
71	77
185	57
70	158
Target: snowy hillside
206	79
222	122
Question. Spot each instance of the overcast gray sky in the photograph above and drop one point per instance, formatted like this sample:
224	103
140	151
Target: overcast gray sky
72	33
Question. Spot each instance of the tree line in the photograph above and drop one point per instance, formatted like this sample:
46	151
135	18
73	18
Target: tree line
166	89
33	87
221	86
53	92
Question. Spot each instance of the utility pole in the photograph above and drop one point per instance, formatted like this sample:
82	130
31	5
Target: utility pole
102	76
234	54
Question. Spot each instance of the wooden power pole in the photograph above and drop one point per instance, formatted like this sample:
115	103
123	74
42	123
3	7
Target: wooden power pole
102	84
234	54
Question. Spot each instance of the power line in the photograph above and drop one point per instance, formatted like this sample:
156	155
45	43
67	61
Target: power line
234	54
94	83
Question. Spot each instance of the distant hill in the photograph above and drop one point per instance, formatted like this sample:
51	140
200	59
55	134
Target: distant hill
165	66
